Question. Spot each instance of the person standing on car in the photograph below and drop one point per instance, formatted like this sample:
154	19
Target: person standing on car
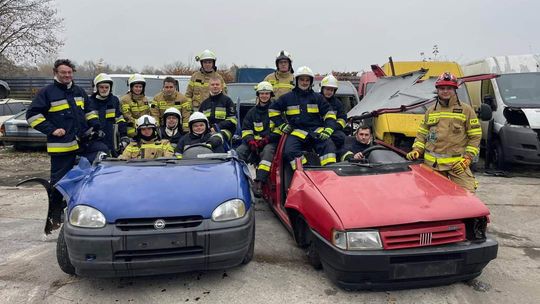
449	136
147	144
199	133
329	87
308	118
362	141
198	86
135	104
171	129
219	109
59	111
170	97
258	137
282	80
106	112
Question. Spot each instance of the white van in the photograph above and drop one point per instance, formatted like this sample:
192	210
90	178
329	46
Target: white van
513	135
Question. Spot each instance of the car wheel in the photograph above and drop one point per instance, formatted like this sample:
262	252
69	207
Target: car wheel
249	255
498	156
313	256
62	255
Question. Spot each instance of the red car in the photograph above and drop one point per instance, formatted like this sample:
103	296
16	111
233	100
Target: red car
385	223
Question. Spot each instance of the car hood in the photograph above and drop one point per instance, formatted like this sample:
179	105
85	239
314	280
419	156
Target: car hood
128	191
414	196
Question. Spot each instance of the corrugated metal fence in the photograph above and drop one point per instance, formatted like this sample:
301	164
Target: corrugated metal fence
28	87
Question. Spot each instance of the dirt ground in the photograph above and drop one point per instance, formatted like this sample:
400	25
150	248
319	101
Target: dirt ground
279	272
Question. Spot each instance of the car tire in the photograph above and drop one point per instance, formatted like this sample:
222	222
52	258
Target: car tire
498	156
62	255
251	251
313	256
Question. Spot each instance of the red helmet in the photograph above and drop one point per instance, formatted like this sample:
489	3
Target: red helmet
446	79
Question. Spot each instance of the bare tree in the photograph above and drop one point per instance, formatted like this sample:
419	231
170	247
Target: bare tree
28	29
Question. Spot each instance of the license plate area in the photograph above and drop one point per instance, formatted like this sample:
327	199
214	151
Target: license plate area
424	269
158	241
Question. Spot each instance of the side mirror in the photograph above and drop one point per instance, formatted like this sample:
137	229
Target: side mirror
484	112
490	101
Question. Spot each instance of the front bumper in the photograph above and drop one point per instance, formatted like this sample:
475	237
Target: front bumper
111	252
405	268
521	145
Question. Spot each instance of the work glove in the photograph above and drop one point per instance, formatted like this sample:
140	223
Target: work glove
413	155
462	165
324	135
124	142
286	128
263	142
253	146
214	141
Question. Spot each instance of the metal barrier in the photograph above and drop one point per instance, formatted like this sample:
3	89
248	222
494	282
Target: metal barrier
28	87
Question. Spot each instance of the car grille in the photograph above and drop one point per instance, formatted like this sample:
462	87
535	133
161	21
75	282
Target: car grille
421	235
141	255
148	223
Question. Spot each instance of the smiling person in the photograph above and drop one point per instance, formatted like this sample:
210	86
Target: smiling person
449	136
170	97
199	133
308	118
106	112
171	129
135	104
282	80
198	87
220	109
59	111
147	144
329	87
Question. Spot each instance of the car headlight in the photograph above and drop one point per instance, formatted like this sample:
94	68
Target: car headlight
357	240
229	210
86	217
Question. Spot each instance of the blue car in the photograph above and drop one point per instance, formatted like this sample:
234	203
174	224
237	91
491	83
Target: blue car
146	217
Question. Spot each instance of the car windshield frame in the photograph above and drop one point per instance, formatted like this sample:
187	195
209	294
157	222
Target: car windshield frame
528	88
207	158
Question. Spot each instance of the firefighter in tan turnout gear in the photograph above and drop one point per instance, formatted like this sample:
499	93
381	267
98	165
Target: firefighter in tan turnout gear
147	144
197	90
282	80
169	97
449	135
135	104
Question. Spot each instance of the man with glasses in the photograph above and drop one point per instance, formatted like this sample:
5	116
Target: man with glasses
449	136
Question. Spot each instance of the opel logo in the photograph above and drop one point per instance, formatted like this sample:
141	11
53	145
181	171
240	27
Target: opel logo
159	224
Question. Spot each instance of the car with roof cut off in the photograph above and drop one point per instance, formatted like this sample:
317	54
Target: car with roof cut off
146	217
382	223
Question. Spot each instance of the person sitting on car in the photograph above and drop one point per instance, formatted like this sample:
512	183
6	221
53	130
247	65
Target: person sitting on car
219	109
199	133
329	87
258	137
362	140
171	128
146	144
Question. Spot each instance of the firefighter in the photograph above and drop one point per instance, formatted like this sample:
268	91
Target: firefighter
363	140
170	97
199	133
147	144
219	109
308	118
59	111
449	136
135	104
198	90
171	129
282	79
106	112
329	87
257	136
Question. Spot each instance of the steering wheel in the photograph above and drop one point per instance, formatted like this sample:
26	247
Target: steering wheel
196	149
373	148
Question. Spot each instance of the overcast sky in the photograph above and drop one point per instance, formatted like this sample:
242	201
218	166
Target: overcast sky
324	35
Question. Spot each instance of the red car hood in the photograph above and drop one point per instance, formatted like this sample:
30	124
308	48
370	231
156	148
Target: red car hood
419	195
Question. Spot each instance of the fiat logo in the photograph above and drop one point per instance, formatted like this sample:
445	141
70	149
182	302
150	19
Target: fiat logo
159	224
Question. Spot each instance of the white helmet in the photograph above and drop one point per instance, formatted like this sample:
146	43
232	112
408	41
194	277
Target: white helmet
102	78
329	81
198	117
304	71
206	54
172	111
264	86
146	121
136	78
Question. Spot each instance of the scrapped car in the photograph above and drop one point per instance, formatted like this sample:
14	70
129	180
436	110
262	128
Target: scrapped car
383	223
145	217
16	131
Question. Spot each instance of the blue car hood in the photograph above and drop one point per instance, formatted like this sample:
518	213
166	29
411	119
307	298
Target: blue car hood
122	191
